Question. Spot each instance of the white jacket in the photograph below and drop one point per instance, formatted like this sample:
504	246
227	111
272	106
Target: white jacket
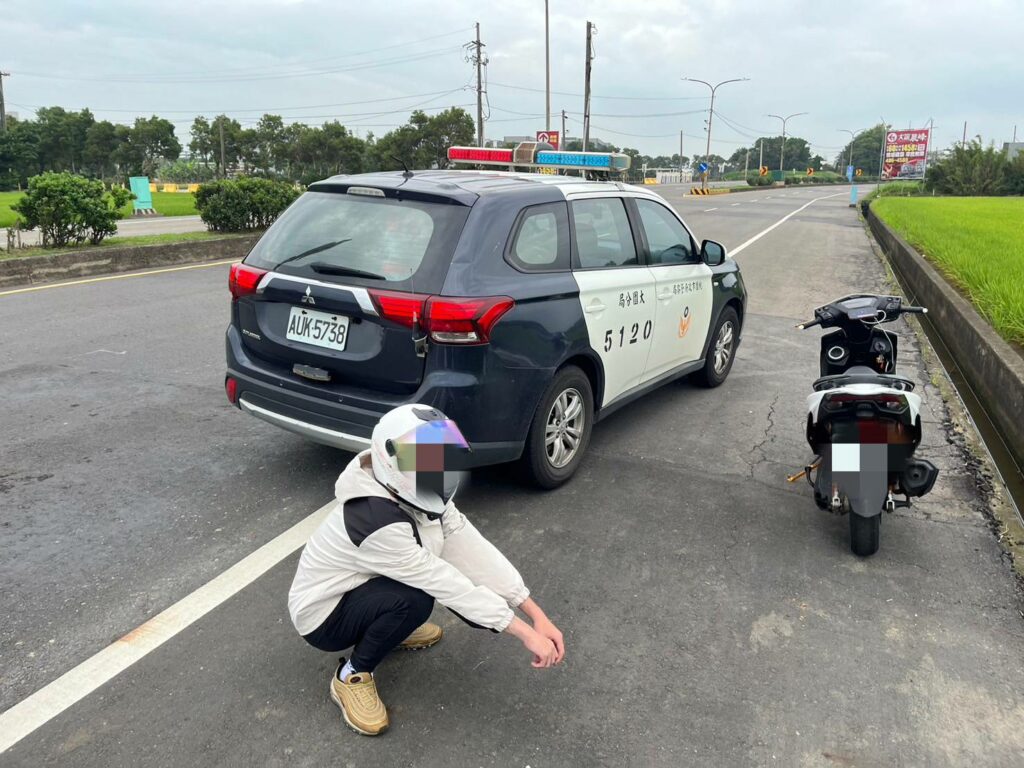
377	536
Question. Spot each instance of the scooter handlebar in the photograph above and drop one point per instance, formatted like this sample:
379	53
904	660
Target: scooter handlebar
809	324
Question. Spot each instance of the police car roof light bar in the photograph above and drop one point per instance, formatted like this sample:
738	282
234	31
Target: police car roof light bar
524	154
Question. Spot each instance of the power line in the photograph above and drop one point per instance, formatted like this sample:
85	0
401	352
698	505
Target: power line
597	96
245	78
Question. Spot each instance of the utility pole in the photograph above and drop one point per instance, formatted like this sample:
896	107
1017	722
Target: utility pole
881	152
746	165
964	142
760	163
479	59
561	136
586	85
782	152
223	167
711	112
3	111
680	157
547	70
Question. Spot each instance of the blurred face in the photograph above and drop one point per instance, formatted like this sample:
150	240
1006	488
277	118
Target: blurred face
433	454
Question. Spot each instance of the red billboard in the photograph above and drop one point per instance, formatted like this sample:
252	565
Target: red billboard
905	154
549	137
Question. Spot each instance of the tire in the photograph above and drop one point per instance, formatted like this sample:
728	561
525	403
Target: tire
864	534
545	459
721	350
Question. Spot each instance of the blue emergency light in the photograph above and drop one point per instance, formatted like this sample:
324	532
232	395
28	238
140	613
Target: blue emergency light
529	154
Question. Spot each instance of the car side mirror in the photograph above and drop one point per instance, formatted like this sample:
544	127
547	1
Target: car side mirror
712	253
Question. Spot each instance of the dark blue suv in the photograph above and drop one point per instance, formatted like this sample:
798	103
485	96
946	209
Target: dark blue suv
524	306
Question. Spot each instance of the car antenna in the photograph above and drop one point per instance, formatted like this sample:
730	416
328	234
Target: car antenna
406	173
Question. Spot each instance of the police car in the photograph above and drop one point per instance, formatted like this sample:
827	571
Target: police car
525	306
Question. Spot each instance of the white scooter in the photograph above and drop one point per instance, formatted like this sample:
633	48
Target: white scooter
863	421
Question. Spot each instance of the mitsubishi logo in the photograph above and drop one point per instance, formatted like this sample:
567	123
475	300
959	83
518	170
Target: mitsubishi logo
308	298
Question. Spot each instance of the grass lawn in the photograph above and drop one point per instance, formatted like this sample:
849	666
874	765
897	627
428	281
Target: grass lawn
977	242
115	241
166	203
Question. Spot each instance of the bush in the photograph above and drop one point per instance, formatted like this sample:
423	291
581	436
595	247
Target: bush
757	180
243	204
70	209
185	172
1015	175
969	170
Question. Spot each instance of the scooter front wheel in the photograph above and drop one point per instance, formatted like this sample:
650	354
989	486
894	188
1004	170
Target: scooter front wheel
864	534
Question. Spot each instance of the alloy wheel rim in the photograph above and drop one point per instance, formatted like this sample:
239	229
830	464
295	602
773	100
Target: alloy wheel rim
564	428
723	348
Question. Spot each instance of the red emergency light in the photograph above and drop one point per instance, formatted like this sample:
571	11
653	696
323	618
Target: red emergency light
479	155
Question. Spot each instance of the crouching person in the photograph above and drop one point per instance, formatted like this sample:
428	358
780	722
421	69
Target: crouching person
395	542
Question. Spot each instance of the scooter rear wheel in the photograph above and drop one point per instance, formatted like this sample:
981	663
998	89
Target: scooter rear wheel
864	534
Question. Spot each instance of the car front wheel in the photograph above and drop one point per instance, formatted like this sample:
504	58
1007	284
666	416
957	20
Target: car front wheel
721	350
561	427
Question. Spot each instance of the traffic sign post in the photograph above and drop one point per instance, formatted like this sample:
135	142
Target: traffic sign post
549	137
810	171
764	170
849	173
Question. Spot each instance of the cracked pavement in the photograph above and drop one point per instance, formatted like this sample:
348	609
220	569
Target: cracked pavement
713	615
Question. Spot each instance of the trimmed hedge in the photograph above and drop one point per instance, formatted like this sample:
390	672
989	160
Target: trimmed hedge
69	208
243	205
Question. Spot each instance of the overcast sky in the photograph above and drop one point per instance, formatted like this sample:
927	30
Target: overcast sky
368	64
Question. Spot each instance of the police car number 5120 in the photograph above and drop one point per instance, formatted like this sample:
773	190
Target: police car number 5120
626	335
318	328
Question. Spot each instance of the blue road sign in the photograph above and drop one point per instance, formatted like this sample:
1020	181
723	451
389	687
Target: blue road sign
703	167
849	173
143	197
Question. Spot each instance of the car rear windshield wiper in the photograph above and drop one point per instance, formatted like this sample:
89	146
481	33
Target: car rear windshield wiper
311	251
334	269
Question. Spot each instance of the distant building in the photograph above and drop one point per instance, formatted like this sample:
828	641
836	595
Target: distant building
1012	149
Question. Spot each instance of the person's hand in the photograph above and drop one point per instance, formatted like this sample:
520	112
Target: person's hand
545	654
544	627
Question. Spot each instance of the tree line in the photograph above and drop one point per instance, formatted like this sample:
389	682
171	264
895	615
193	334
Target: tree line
66	140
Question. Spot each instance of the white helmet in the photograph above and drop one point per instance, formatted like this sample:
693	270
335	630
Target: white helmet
417	454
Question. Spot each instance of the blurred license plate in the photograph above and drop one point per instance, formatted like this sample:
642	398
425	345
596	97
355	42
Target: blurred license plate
319	328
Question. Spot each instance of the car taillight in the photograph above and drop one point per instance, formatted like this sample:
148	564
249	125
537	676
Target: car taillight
464	321
231	388
446	320
243	280
402	308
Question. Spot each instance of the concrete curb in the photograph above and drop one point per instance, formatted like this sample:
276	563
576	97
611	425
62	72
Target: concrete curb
85	262
993	368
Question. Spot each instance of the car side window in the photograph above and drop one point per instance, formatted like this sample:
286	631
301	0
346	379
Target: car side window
604	238
541	239
667	239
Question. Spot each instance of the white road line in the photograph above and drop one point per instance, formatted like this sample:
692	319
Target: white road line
783	220
733	203
47	286
77	683
706	210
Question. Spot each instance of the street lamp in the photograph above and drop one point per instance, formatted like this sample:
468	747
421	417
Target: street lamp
782	152
853	138
711	112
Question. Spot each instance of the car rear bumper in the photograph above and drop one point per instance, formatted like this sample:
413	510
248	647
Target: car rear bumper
347	422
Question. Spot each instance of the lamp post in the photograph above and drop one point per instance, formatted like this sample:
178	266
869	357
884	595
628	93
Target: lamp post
711	112
782	152
853	138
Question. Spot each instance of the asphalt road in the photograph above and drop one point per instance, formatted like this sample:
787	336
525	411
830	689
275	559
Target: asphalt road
713	615
157	225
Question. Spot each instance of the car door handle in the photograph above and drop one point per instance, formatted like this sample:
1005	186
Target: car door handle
665	295
594	307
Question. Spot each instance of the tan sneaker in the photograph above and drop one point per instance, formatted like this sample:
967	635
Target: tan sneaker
423	636
361	707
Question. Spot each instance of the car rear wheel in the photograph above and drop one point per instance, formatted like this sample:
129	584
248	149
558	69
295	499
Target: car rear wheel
560	431
721	350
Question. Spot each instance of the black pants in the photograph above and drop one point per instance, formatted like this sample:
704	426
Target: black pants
374	617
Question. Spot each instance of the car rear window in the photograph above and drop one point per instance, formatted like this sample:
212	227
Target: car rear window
339	237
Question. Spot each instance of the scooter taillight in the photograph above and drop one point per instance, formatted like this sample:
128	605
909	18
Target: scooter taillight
883	401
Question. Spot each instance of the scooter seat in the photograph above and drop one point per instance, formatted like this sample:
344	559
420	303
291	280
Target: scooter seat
861	374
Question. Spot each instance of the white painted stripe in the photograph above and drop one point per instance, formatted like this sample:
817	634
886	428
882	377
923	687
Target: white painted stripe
47	286
734	203
783	220
706	210
75	684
